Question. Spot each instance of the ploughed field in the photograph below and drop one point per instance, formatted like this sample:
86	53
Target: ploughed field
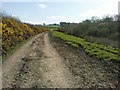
93	49
56	60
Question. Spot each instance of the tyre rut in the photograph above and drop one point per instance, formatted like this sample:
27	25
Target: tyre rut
41	66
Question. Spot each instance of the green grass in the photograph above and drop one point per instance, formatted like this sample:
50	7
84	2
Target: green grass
56	26
93	49
53	27
73	44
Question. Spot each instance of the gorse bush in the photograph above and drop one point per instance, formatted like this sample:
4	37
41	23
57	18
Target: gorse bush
14	31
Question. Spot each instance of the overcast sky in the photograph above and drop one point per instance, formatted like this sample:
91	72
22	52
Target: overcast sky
55	11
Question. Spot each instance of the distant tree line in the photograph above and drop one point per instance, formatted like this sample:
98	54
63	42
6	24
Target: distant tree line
106	27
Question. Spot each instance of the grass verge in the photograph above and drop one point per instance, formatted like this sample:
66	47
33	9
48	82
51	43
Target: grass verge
15	48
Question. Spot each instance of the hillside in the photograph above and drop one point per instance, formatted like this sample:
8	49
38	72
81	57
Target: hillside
104	30
14	32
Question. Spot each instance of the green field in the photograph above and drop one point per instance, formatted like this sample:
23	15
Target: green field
53	27
93	49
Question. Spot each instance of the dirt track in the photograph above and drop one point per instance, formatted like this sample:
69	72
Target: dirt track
41	63
36	64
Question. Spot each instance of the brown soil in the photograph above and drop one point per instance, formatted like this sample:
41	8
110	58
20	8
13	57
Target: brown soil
36	65
47	62
89	72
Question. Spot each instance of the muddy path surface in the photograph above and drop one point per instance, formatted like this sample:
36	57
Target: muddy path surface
36	65
47	62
